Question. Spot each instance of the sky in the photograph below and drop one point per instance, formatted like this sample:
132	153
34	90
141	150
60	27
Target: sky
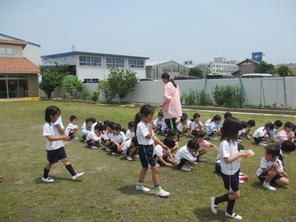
160	29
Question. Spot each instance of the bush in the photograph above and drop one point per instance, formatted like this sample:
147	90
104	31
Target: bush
72	86
203	98
84	94
106	89
188	98
95	96
229	96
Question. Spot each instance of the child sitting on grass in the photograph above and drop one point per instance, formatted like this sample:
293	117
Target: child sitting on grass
117	139
86	127
157	123
245	133
164	155
261	135
53	131
72	127
271	169
183	127
130	133
196	124
214	127
186	156
94	138
285	134
276	125
173	134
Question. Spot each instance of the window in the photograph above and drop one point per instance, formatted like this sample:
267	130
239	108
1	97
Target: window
6	51
90	60
114	62
136	63
86	80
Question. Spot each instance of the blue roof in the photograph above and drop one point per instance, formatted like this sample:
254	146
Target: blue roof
89	53
8	36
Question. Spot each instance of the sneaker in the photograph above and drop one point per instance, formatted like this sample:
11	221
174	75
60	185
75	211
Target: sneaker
244	177
161	193
129	158
107	149
262	144
1	177
241	181
113	153
186	168
214	207
142	188
47	180
137	156
77	175
268	186
233	216
93	147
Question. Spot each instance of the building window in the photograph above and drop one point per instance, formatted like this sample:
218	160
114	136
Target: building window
114	62
136	63
87	81
6	51
90	61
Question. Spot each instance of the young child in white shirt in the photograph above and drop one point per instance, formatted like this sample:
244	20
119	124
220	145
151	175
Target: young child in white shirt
214	127
86	127
261	135
157	123
186	156
245	132
163	155
94	138
276	125
196	124
72	127
271	169
130	133
53	131
183	127
117	139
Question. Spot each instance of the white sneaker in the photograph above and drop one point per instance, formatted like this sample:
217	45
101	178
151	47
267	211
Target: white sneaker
142	188
77	175
214	207
47	180
233	216
113	153
268	186
129	158
93	147
262	144
108	150
161	193
186	168
137	156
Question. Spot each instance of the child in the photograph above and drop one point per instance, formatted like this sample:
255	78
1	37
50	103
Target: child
286	148
271	169
285	134
130	133
276	124
203	144
133	146
53	131
164	128
214	128
117	139
246	132
164	155
86	127
72	127
173	134
146	138
94	138
196	124
107	134
157	123
186	156
261	135
226	115
230	166
184	127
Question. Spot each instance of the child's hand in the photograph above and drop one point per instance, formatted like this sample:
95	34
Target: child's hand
67	138
274	165
244	153
169	165
164	146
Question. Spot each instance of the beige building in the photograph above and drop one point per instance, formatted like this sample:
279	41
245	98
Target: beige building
246	66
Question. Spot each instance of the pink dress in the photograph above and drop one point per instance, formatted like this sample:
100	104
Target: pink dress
171	102
283	135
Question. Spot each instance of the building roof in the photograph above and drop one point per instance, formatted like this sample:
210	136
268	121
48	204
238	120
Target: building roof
13	42
151	63
11	37
249	61
17	65
89	53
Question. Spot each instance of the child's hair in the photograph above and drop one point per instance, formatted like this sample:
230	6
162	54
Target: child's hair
93	120
73	118
100	127
167	76
287	146
278	123
272	150
251	123
131	124
183	118
289	125
160	114
172	133
169	142
193	145
244	125
51	111
216	118
145	110
198	134
116	127
230	129
184	115
227	114
196	115
269	125
240	147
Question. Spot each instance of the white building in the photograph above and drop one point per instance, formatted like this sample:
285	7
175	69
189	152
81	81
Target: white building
221	65
93	67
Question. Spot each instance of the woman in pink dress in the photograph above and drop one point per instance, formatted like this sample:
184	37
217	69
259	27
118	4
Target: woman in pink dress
171	106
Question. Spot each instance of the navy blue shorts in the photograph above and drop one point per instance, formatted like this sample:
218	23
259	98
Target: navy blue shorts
263	175
146	156
231	182
54	156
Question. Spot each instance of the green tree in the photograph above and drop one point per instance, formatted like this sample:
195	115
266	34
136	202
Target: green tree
284	71
265	68
107	91
72	86
52	77
195	71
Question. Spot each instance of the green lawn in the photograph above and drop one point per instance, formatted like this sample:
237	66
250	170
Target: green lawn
107	191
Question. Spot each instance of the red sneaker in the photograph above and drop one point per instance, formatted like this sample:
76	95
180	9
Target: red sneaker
1	177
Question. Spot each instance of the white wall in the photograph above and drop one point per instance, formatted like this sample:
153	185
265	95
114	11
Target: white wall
33	53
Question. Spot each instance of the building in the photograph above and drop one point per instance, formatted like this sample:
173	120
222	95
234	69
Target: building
190	64
220	65
19	67
246	66
155	69
92	67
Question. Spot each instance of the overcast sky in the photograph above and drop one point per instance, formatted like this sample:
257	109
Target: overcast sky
159	29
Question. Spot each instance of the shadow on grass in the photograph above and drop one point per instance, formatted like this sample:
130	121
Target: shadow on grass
205	214
57	179
131	190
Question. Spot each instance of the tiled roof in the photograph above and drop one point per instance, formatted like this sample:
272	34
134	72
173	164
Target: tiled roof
13	42
17	65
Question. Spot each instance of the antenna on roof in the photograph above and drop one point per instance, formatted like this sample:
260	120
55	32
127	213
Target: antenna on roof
73	48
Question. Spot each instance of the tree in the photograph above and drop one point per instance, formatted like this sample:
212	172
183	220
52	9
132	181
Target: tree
265	68
72	86
195	71
283	71
52	77
105	88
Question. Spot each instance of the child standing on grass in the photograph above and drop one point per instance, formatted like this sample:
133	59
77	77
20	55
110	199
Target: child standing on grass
230	166
146	138
53	131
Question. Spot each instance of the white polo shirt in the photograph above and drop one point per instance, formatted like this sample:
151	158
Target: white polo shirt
130	134
142	132
120	138
264	163
195	124
260	132
93	137
184	153
50	129
70	128
227	149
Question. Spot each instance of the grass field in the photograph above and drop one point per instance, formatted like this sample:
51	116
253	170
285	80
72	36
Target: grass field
107	191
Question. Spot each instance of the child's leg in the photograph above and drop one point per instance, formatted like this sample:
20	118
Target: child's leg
155	176
142	174
284	181
46	170
270	176
68	166
201	152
